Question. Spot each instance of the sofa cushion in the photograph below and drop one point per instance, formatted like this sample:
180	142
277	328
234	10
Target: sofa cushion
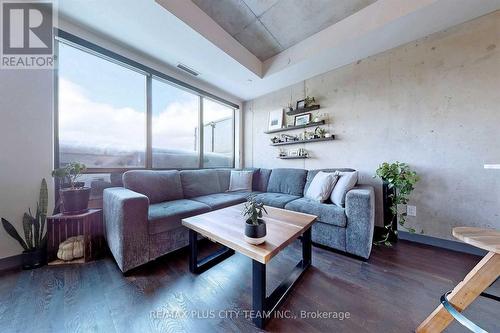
287	181
312	173
224	176
275	199
261	179
166	216
196	183
326	213
158	186
241	180
221	200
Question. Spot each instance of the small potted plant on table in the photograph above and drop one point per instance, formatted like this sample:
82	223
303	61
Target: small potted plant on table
75	196
255	227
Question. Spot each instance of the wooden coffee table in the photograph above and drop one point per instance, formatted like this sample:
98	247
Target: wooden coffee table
227	227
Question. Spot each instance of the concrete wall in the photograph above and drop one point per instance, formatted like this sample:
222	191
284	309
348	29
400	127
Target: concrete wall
433	103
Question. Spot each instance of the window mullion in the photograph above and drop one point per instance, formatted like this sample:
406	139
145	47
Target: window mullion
149	122
201	133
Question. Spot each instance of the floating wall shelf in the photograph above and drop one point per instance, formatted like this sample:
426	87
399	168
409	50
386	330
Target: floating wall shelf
293	157
302	110
283	129
303	141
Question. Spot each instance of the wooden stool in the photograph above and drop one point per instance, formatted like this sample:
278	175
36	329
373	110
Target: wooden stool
61	227
483	275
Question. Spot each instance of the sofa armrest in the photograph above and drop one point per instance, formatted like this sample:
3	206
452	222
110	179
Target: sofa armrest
360	212
126	225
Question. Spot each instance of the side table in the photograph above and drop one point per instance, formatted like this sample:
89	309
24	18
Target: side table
61	227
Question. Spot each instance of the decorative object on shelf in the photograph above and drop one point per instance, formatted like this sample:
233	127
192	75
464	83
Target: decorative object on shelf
255	227
300	104
71	248
282	153
75	196
293	152
309	101
302	119
320	132
288	108
275	120
292	127
303	152
62	227
398	183
326	138
317	117
35	240
275	139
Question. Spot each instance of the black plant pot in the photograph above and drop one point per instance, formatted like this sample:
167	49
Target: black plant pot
255	234
34	258
75	201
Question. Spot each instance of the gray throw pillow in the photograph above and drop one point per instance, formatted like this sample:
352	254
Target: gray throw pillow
321	186
240	181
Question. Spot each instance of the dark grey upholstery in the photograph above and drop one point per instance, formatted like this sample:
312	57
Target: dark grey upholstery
158	186
143	220
196	183
275	199
165	216
327	213
287	181
221	200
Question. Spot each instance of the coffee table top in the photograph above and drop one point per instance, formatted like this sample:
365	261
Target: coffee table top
227	227
486	239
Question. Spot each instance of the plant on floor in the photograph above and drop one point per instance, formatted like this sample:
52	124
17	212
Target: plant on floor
253	210
70	173
33	226
402	179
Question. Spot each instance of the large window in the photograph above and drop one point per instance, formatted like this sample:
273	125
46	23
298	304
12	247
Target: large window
102	111
116	114
175	127
218	127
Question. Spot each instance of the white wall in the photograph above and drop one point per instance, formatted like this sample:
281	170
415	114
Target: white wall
433	103
26	146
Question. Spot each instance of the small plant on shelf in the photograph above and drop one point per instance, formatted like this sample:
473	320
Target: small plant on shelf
401	180
74	194
320	131
309	101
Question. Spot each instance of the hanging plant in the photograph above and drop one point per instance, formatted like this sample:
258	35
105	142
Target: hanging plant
402	180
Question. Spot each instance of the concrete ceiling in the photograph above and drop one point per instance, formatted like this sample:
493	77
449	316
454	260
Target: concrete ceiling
267	27
178	31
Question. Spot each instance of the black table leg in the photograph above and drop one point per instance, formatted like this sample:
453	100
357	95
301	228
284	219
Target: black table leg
263	306
199	266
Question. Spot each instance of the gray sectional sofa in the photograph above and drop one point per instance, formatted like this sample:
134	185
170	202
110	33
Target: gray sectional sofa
143	218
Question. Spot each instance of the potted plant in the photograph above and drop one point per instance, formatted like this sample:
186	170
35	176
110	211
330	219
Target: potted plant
320	132
398	181
34	243
75	196
255	227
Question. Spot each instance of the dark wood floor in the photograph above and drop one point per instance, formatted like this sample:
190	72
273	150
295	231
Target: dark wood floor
392	292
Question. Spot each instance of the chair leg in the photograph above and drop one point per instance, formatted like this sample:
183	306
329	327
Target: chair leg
476	281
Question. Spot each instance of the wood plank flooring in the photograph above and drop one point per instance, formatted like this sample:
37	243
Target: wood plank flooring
392	292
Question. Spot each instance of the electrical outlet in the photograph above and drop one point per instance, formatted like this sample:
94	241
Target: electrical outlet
411	210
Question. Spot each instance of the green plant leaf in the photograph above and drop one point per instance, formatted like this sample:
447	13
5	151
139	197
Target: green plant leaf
9	228
28	229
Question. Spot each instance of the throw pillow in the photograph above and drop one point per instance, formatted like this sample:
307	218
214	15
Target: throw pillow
240	181
321	186
346	181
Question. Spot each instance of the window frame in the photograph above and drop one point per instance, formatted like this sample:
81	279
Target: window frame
67	38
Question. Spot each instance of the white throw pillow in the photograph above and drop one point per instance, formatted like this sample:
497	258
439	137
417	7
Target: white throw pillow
321	186
346	181
240	181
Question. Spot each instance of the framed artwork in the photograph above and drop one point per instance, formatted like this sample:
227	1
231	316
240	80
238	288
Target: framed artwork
275	119
303	119
301	104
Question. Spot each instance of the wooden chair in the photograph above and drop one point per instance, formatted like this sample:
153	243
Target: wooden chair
483	275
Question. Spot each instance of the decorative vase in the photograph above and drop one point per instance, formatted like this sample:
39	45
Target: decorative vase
255	233
34	258
75	200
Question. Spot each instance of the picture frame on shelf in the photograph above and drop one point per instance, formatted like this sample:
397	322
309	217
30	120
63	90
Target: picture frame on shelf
301	104
275	120
293	153
303	119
